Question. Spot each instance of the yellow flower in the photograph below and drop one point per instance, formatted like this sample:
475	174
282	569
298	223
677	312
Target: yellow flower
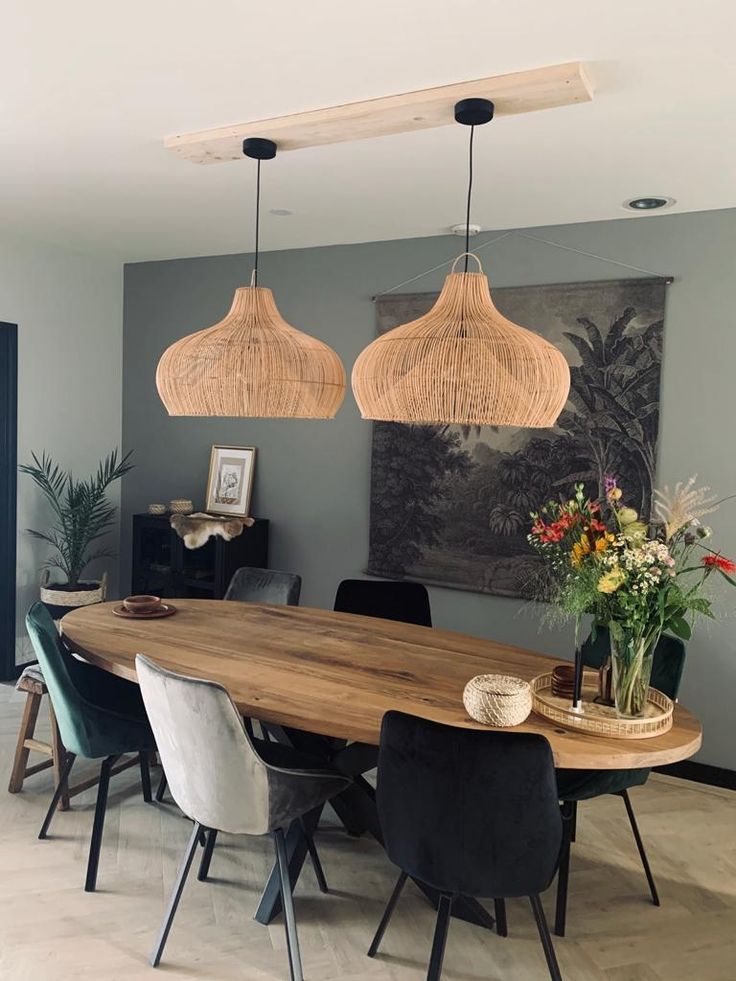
580	550
602	544
611	580
614	494
627	516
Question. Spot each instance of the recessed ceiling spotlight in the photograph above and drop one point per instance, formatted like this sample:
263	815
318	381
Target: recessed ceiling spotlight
460	229
281	212
650	203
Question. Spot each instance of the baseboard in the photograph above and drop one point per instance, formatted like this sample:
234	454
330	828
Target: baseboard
713	776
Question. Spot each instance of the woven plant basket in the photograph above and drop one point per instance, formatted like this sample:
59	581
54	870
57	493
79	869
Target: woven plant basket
498	699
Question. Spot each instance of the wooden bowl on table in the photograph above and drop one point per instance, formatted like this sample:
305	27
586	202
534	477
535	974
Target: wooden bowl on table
142	604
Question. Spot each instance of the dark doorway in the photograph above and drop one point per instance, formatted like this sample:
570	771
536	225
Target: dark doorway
8	483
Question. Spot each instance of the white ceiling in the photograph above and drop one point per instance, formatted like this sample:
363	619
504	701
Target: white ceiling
90	89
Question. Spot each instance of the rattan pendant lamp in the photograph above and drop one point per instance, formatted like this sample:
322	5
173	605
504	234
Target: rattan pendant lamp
252	363
463	362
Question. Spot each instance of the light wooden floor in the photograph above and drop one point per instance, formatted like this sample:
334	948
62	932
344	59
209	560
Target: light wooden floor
51	930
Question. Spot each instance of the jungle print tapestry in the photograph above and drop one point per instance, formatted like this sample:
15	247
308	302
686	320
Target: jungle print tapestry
450	504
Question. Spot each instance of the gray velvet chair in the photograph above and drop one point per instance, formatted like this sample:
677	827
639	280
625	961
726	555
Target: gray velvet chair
253	585
250	585
221	781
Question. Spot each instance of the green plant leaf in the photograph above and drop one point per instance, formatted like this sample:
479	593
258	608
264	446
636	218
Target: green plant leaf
681	628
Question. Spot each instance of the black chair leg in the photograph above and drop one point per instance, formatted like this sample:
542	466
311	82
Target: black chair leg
145	776
98	824
544	936
499	909
574	823
176	895
209	847
60	788
314	856
287	902
640	846
569	812
437	956
161	789
387	914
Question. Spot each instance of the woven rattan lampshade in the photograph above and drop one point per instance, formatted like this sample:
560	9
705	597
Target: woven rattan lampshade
463	362
252	363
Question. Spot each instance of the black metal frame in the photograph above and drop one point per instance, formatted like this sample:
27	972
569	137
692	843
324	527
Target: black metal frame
569	810
98	824
8	496
442	926
282	866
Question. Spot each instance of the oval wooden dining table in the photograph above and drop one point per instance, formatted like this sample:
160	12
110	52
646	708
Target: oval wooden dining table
337	674
326	679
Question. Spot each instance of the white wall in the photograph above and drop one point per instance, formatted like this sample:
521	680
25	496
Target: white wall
68	308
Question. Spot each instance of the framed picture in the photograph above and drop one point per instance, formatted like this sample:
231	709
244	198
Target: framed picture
230	481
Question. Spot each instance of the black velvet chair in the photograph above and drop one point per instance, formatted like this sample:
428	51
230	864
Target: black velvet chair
407	602
471	813
578	785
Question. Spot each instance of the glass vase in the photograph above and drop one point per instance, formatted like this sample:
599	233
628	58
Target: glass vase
631	658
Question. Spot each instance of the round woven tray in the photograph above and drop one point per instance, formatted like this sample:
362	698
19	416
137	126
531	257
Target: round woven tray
498	699
601	720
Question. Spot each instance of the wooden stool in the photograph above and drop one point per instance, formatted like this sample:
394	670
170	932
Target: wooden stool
31	681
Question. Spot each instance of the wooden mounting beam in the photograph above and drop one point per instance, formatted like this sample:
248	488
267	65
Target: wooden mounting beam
540	88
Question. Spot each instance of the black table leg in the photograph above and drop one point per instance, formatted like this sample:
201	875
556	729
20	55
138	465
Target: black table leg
296	852
358	804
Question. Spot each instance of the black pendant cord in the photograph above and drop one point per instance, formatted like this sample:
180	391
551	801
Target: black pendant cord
470	191
258	221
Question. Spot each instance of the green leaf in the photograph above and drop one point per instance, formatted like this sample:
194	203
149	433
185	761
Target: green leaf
681	628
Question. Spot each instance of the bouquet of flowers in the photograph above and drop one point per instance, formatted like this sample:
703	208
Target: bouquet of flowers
638	579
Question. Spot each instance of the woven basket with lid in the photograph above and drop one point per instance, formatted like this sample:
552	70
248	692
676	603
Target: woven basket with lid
498	699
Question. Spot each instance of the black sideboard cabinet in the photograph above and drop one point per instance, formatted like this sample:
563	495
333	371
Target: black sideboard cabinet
164	566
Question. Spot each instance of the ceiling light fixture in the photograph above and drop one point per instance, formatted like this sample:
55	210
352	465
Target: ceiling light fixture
252	363
651	203
463	229
463	362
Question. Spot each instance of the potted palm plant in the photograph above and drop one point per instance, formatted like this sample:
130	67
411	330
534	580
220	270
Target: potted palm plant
83	515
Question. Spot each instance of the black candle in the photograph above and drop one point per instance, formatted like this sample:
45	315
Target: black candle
578	678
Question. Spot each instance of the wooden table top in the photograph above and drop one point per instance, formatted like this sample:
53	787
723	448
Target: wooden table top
337	674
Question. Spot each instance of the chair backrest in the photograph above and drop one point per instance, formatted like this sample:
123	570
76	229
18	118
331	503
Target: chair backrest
213	769
468	811
213	772
407	602
667	665
251	585
76	727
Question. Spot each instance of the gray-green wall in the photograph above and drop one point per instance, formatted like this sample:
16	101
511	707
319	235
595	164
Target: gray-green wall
312	478
68	307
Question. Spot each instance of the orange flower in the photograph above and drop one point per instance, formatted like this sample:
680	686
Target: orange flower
602	544
580	550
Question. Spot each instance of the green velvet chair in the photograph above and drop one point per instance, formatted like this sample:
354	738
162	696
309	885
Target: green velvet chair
99	717
578	785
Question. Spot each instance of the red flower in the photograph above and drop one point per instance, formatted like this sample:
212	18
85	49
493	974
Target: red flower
720	563
597	525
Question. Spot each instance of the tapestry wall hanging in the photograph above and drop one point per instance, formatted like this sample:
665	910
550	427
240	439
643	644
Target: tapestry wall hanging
450	504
